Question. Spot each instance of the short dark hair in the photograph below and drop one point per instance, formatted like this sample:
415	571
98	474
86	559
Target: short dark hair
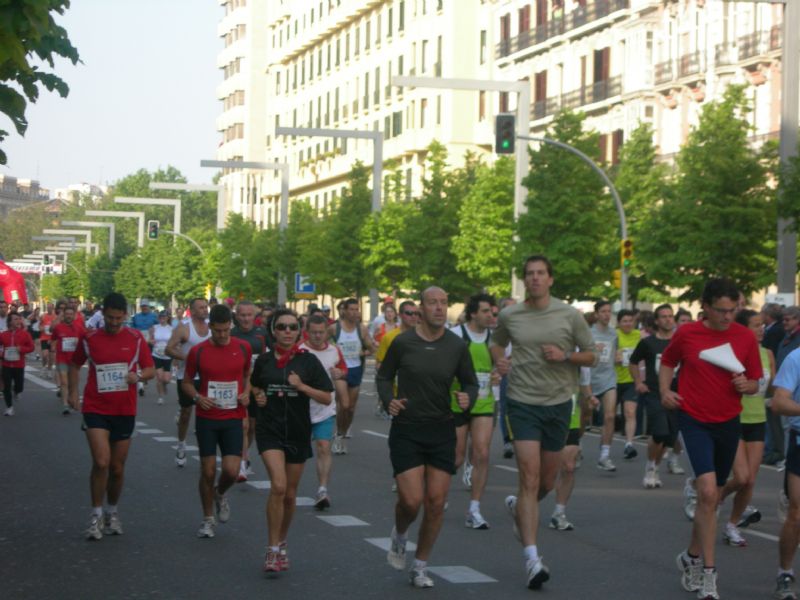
720	287
219	313
538	258
115	301
474	303
743	316
773	310
348	302
682	312
317	319
600	304
661	307
625	312
193	300
281	312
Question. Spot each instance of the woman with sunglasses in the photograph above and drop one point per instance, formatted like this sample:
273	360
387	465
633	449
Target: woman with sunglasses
284	382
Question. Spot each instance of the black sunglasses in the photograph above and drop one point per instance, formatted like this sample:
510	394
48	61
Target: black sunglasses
285	326
410	313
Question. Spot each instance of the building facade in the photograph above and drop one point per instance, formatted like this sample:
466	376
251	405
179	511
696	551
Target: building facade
18	193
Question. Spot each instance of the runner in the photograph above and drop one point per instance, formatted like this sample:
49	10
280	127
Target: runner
604	383
751	445
284	383
508	446
422	438
66	335
184	337
628	336
478	422
544	332
222	366
160	335
115	354
355	343
144	321
256	337
15	342
323	416
709	402
45	337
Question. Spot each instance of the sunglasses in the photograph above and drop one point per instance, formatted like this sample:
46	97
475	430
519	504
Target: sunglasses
410	313
285	326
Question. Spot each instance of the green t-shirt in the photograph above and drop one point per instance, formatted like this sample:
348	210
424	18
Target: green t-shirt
753	409
627	342
532	379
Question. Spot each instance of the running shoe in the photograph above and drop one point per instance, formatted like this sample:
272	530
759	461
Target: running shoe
511	506
65	410
283	557
95	530
674	466
692	569
732	536
242	476
160	401
475	520
537	572
783	506
223	507
708	589
419	578
397	552
629	452
112	526
394	485
177	417
180	457
606	464
784	589
559	522
323	501
141	390
508	450
349	433
206	528
9	412
657	480
336	447
689	498
272	562
649	481
466	474
750	515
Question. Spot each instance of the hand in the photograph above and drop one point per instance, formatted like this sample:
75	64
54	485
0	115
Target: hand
73	401
495	378
396	405
594	401
462	398
553	353
642	388
294	379
503	366
335	373
244	399
670	399
205	403
261	398
741	383
132	378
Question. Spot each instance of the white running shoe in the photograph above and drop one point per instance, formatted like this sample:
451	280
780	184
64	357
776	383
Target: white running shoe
674	466
419	578
223	507
397	552
708	589
475	520
95	530
750	515
784	587
206	528
606	464
338	444
9	412
732	536
113	526
466	474
689	498
537	572
180	457
559	522
511	505
160	401
692	572
649	481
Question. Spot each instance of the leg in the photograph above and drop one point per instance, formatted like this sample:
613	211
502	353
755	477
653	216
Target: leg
228	472
183	422
609	403
294	471
352	395
566	475
100	449
790	532
655	450
323	462
116	474
208	472
741	473
753	452
481	429
704	530
410	494
629	411
8	393
437	484
342	407
529	458
461	444
19	380
275	462
63	381
161	384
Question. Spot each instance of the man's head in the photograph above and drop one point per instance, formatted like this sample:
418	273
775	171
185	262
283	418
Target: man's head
409	314
602	309
791	318
3	308
479	310
219	323
163	318
538	276
664	319
682	317
626	320
433	307
68	315
73	302
326	310
772	313
15	321
720	303
115	309
198	308
245	315
317	328
144	307
351	312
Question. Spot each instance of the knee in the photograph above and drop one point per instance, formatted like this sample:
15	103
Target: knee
277	489
530	483
410	504
100	464
116	469
480	455
434	505
793	515
707	495
289	498
609	416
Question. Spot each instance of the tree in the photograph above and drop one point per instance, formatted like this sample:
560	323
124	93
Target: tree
484	246
19	225
569	218
719	216
50	288
382	247
27	28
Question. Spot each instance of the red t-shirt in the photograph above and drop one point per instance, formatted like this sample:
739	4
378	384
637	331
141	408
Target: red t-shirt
21	341
45	326
220	366
707	391
112	357
66	337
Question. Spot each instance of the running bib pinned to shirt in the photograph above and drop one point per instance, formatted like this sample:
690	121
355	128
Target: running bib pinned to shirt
626	356
69	344
605	353
12	354
484	384
224	394
351	350
47	329
159	348
112	377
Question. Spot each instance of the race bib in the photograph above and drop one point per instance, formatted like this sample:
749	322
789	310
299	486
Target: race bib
223	394
253	360
605	353
351	350
626	356
159	348
12	354
47	329
658	364
484	383
112	377
69	344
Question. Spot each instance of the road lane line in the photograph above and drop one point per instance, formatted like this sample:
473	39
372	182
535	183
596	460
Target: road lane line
259	485
461	574
505	468
385	543
342	520
48	385
375	433
150	431
165	438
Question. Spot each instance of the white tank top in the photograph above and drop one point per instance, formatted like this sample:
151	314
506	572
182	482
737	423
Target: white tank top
161	335
350	346
194	339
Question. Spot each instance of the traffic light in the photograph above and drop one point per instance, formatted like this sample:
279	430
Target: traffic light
617	282
626	252
504	133
46	259
152	230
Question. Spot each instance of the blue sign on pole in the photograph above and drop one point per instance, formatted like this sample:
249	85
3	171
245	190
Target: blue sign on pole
302	285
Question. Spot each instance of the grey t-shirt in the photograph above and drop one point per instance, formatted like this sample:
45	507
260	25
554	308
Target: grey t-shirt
534	380
604	375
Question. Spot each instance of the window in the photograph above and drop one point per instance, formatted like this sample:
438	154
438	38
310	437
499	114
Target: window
400	65
347	46
401	16
366	91
541	12
540	86
482	56
439	110
503	102
357	36
378	29
481	105
505	27
389	22
424	57
397	123
423	106
602	64
367	35
524	15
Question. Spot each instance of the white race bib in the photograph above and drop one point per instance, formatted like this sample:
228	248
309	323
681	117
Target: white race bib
484	383
47	329
223	393
69	344
605	353
159	348
112	377
626	356
658	363
351	350
253	360
12	354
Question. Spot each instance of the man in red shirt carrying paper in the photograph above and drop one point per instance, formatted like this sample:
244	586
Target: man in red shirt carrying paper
719	361
116	354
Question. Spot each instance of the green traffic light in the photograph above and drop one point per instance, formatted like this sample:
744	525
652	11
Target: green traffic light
506	144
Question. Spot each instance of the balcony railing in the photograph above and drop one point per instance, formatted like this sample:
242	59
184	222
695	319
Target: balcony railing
776	37
724	54
559	25
754	44
689	64
664	72
588	94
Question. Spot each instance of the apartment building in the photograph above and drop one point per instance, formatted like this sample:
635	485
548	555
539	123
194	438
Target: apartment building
18	193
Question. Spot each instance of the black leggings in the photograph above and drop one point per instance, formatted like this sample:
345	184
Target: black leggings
15	376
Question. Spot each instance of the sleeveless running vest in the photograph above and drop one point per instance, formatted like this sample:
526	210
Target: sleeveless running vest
194	339
482	363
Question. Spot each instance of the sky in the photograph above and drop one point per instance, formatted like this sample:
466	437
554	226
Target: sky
144	97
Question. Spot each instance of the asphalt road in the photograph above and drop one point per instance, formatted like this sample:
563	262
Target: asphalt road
623	546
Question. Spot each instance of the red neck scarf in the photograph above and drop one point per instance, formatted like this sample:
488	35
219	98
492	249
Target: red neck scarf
284	356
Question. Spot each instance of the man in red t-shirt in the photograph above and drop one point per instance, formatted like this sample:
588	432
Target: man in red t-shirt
64	341
115	354
222	364
709	400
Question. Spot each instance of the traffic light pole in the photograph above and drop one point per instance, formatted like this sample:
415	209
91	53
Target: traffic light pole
175	203
123	215
623	226
112	235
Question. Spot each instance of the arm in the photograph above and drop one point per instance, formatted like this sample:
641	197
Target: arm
321	396
669	398
469	381
368	341
178	337
384	380
783	404
27	344
73	377
636	372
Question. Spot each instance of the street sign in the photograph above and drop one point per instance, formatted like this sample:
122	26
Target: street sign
303	286
23	267
782	299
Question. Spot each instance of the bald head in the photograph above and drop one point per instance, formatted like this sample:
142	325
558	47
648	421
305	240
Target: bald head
431	290
433	305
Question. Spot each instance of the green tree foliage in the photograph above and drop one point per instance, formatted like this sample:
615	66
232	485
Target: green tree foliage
50	289
19	225
28	30
484	245
75	277
570	217
382	247
718	219
789	196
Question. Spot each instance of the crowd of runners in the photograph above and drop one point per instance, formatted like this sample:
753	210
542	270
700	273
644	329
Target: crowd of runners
722	390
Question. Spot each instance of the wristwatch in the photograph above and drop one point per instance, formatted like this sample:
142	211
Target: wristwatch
196	398
567	354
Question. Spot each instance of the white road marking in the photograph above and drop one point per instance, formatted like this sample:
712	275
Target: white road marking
197	458
259	485
188	448
385	543
141	424
342	520
506	468
304	501
766	536
150	431
461	574
48	385
375	433
165	438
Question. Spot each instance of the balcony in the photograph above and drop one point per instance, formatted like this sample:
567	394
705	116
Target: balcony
689	64
664	73
724	54
776	37
588	94
559	25
754	44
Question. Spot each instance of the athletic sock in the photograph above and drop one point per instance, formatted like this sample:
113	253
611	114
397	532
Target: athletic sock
275	549
181	444
651	464
785	572
97	511
531	552
560	509
111	509
420	564
604	451
474	506
692	557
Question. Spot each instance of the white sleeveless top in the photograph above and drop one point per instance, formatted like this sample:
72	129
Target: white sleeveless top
350	345
194	339
161	335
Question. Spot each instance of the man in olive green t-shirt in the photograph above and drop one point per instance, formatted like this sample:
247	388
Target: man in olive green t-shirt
550	342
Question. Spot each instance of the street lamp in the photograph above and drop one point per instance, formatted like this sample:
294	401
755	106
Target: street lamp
122	215
197	187
112	235
71	232
54	238
175	203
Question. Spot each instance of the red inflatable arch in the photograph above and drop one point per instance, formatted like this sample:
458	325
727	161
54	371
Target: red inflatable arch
13	285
